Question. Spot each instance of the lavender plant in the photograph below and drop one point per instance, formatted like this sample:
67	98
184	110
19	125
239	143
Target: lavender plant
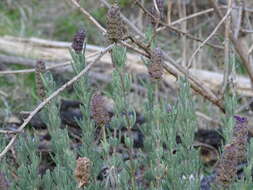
112	149
88	127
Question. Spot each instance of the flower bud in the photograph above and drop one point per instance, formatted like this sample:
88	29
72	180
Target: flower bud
98	110
226	166
40	68
78	40
155	69
115	28
240	138
82	171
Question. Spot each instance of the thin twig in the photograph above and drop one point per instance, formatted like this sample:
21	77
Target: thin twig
7	59
140	17
134	49
250	50
89	16
245	107
182	14
238	21
197	85
169	11
226	55
157	19
208	38
53	95
191	16
175	29
23	71
9	132
156	8
246	30
237	44
3	94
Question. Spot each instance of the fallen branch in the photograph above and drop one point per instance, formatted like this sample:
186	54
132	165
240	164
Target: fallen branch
12	45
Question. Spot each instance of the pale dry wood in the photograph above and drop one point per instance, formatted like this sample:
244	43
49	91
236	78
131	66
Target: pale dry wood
2	93
238	43
174	29
184	44
227	65
32	62
23	46
209	37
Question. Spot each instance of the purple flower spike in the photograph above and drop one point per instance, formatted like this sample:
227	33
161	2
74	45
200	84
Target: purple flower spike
240	119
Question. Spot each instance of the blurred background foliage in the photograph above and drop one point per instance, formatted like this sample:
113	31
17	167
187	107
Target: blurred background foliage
59	20
51	19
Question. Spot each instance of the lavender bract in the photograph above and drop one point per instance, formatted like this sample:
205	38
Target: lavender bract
78	40
155	69
40	68
115	30
99	113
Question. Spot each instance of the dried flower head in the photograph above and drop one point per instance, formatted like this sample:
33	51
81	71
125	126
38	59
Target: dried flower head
234	153
240	137
78	40
98	109
240	143
40	68
115	29
4	184
155	69
241	127
226	166
82	171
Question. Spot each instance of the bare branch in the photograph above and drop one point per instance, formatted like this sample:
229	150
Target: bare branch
53	95
175	29
89	16
209	37
237	43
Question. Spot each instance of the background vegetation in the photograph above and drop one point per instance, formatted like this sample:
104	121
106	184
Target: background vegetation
168	138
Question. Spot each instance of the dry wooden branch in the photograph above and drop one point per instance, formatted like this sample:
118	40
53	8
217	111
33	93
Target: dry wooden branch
209	37
24	61
48	99
89	16
195	83
9	132
237	43
3	94
56	50
226	54
174	29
